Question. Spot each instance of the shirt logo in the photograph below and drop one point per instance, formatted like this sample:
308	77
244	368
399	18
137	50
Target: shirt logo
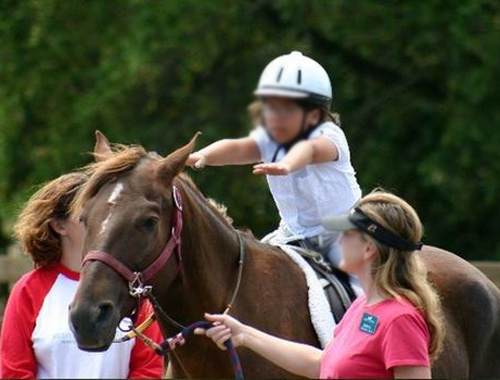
368	323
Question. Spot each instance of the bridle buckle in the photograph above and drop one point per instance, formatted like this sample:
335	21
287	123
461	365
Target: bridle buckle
136	287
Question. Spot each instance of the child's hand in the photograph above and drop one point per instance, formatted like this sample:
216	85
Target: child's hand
272	169
226	327
196	160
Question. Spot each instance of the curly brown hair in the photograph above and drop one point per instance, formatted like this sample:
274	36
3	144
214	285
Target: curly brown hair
33	230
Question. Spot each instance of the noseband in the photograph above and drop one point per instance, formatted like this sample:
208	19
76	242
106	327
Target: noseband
137	280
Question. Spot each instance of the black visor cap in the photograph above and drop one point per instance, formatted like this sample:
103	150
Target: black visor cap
357	219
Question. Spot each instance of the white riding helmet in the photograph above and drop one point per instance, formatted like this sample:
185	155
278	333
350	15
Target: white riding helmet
296	76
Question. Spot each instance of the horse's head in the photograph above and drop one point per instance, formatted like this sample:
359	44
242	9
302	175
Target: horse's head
127	207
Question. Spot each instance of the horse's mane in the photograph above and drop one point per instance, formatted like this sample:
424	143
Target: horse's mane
220	208
123	159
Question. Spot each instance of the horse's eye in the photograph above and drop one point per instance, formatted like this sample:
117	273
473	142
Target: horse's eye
150	224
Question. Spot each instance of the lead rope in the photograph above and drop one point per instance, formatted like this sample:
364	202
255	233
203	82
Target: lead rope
168	345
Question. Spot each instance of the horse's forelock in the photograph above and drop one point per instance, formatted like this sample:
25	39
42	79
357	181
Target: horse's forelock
123	160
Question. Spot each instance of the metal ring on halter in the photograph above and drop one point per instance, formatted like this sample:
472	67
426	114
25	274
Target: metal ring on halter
127	329
137	288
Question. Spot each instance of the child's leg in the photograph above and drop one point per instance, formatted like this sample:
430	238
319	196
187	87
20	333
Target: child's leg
326	245
282	235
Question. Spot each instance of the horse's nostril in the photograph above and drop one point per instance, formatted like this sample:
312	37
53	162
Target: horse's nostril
105	309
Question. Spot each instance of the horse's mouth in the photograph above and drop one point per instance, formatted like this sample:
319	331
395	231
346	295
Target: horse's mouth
93	336
94	348
88	342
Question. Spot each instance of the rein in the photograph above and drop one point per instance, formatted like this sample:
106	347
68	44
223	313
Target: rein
170	344
138	288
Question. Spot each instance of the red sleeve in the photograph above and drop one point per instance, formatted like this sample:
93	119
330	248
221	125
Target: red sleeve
406	342
144	362
16	350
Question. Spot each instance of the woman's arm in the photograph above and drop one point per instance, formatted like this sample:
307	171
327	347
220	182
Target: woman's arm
405	347
226	152
17	359
306	152
300	359
412	372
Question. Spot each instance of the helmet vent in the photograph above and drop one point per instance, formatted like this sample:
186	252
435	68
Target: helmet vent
299	77
278	78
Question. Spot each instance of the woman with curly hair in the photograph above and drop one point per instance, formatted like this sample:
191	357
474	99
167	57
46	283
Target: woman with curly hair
36	340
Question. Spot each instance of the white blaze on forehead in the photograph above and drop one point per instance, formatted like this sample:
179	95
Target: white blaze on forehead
105	223
115	194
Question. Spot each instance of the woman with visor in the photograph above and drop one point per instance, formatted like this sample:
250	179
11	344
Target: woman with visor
394	330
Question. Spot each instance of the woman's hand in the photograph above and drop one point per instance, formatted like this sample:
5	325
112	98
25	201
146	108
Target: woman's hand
226	327
272	169
197	160
297	358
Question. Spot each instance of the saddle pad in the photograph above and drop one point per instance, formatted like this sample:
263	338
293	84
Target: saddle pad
321	315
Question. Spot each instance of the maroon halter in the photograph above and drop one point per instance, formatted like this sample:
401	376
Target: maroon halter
136	280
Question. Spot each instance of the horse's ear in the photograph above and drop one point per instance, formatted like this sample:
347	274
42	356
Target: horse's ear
173	164
102	148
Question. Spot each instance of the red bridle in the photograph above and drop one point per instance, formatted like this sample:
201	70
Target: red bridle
137	280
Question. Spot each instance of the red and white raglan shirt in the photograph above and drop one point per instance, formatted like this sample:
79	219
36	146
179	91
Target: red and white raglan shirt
36	340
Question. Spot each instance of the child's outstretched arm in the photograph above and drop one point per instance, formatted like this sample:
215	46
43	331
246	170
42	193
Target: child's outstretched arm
226	152
307	152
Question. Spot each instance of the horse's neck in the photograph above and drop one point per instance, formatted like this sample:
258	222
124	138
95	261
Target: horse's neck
210	253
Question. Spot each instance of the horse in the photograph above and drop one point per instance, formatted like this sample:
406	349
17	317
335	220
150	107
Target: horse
130	208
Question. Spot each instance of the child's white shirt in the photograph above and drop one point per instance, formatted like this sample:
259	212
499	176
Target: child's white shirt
306	196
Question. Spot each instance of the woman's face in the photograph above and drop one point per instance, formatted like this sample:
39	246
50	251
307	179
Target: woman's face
74	232
355	252
284	117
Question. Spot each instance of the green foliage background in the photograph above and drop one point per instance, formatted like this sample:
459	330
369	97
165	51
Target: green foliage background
416	82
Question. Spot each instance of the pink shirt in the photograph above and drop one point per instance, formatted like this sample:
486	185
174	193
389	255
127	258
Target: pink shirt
371	340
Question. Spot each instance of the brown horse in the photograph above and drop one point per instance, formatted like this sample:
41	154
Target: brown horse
127	207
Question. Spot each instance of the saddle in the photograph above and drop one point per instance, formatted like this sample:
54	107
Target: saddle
335	282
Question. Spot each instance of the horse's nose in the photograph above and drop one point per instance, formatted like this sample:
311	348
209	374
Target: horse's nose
104	311
87	322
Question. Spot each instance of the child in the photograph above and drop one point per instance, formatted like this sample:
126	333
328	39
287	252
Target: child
304	153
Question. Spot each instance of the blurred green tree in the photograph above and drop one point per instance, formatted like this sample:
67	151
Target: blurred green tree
415	83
